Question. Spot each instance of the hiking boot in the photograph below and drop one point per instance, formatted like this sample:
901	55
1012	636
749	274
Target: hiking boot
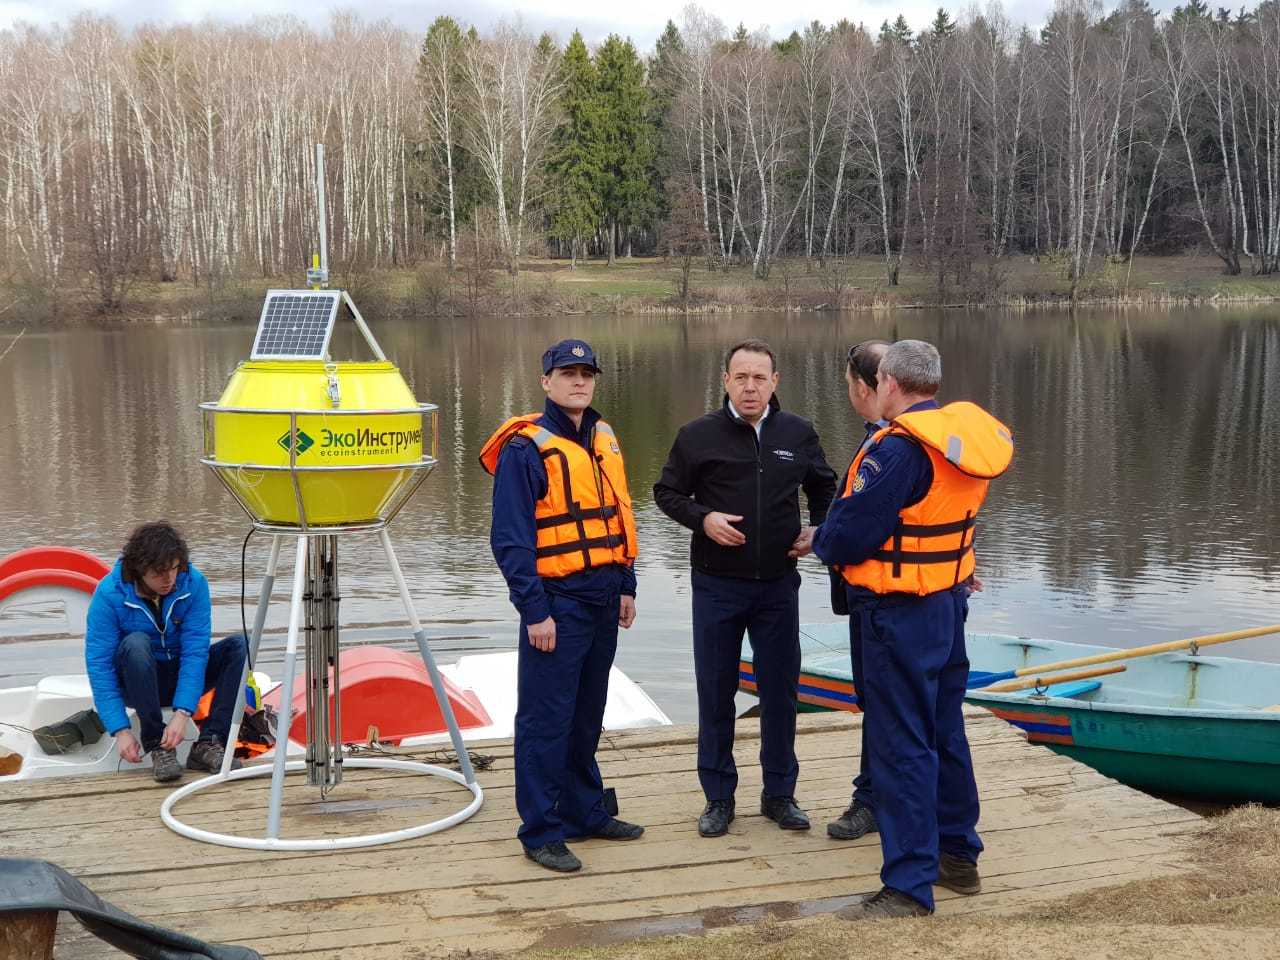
207	755
715	820
613	829
554	856
884	905
857	821
958	874
784	812
164	765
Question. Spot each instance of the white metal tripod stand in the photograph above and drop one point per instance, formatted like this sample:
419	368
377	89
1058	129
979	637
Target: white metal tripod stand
281	765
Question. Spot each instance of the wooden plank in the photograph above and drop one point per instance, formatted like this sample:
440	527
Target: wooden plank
1049	824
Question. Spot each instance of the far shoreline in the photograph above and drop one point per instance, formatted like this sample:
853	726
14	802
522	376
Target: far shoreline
650	286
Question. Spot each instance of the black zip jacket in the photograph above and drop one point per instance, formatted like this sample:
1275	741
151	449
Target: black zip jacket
717	463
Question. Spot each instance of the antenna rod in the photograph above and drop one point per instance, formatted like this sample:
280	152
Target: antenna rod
318	275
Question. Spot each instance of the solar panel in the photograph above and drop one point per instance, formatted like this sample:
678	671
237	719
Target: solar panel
296	324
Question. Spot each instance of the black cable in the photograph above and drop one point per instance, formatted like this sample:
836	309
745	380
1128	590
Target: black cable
244	625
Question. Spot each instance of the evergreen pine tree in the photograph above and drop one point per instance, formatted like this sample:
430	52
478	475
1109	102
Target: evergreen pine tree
628	144
665	80
574	164
943	26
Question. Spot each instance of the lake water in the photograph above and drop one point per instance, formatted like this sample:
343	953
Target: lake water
1141	505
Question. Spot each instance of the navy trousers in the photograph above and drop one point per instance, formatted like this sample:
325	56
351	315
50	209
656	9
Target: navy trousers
926	800
769	612
559	714
149	684
862	792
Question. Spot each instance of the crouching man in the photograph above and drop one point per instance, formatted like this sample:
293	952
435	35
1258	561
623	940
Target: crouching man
147	647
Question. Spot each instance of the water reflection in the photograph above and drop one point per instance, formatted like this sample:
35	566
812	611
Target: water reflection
1140	505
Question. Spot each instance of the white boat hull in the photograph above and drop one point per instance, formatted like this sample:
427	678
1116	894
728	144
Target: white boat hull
491	677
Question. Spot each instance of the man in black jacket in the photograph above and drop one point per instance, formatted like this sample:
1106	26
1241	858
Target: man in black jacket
733	478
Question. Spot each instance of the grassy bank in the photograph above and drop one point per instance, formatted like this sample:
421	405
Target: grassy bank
1227	905
646	285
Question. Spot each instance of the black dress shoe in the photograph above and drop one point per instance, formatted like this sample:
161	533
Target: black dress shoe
554	856
614	829
857	821
784	812
885	905
956	873
715	820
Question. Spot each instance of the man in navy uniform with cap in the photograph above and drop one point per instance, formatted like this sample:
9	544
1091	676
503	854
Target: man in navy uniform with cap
733	477
564	536
902	532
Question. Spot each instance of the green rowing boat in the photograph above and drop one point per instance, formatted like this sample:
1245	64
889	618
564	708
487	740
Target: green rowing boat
1174	723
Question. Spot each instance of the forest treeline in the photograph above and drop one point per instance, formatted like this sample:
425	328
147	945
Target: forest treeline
185	152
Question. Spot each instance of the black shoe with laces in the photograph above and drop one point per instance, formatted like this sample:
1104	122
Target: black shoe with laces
886	904
784	812
857	821
614	829
554	856
207	755
715	820
956	873
164	765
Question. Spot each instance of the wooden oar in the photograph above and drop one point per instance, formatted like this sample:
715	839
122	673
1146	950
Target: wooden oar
977	679
1039	681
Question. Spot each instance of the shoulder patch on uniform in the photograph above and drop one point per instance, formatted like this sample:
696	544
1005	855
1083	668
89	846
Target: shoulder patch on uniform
859	482
872	463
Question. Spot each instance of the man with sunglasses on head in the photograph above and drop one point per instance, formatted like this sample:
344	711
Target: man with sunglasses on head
861	369
733	477
902	532
564	535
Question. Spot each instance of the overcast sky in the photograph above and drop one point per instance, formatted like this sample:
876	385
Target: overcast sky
642	21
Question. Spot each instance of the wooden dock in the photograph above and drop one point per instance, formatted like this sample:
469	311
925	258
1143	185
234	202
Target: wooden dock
1051	826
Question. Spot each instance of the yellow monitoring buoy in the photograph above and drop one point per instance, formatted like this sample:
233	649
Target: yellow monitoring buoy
304	442
315	448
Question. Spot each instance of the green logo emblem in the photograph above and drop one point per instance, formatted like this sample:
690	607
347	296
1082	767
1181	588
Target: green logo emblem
305	443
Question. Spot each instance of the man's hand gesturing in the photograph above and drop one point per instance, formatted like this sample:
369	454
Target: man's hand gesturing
720	528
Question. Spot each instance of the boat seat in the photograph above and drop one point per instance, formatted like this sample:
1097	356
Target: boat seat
1076	688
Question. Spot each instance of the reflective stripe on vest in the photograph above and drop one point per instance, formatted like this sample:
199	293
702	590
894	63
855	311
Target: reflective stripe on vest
931	547
585	519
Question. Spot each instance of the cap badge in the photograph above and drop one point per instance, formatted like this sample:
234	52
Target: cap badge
579	352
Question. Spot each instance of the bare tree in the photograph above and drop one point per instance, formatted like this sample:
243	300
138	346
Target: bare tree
439	70
513	86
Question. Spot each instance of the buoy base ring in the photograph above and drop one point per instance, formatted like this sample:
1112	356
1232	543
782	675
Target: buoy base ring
320	843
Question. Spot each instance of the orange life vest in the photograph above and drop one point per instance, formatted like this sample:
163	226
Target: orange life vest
244	746
585	520
931	547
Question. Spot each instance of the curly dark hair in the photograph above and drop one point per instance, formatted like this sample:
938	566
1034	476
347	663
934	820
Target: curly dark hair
153	546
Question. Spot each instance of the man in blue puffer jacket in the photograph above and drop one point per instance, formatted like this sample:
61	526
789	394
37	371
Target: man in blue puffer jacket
147	646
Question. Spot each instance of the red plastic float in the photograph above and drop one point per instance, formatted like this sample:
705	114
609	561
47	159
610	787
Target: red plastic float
41	567
390	690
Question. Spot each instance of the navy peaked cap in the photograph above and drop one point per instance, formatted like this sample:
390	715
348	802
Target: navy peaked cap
569	353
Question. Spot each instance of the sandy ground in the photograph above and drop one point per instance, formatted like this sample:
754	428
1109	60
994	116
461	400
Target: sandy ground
1227	905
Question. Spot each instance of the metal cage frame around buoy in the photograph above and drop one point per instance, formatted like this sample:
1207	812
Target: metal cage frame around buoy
212	411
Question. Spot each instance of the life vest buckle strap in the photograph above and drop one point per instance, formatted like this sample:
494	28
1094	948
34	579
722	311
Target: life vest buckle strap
607	512
898	557
938	529
557	549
